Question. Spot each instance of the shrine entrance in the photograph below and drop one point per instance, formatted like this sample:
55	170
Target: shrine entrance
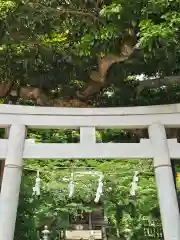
157	147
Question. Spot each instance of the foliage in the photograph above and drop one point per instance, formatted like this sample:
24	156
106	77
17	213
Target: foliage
122	211
54	45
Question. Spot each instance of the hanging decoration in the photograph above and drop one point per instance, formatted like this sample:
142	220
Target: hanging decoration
99	190
71	186
134	184
36	188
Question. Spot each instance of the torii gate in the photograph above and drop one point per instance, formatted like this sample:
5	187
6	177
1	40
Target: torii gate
155	118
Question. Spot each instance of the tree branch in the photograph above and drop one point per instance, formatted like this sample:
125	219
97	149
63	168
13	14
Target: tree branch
157	83
81	12
77	12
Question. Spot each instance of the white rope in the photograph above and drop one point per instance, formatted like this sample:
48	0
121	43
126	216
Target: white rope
99	192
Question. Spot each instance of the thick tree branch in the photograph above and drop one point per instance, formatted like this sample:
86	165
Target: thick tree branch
81	12
77	12
98	78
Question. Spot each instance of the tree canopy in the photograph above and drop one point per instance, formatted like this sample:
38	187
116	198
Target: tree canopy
55	45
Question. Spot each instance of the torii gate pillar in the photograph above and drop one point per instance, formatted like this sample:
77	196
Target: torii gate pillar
10	188
165	183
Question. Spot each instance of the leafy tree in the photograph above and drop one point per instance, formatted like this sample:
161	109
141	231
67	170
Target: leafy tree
54	46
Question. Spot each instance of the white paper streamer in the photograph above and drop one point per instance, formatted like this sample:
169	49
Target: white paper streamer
99	190
36	188
134	184
71	186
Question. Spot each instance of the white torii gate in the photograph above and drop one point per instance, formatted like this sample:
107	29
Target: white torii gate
155	118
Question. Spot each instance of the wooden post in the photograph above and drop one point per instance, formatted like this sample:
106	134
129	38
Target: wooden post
11	181
90	220
165	183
